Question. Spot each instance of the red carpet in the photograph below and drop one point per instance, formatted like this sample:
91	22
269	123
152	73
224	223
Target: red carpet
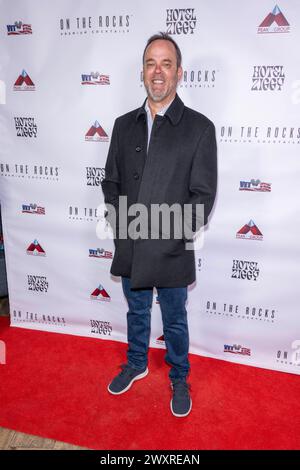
54	386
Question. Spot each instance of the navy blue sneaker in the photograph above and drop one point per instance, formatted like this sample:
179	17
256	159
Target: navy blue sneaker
123	381
181	403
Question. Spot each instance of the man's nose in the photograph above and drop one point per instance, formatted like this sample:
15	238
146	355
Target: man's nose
157	68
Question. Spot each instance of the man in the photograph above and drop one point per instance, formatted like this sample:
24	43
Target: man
161	153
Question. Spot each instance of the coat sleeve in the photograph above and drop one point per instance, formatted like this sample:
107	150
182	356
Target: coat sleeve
111	183
203	178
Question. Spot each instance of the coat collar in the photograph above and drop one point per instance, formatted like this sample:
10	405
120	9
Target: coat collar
174	112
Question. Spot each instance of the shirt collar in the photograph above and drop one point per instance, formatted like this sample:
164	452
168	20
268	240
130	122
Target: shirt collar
174	110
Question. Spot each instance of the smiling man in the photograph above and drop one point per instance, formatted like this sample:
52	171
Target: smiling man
162	153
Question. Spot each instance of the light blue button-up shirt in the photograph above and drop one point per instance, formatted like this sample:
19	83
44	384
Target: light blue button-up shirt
149	117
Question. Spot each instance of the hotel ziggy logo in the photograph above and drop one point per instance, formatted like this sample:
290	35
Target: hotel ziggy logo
37	283
245	270
181	21
267	78
25	127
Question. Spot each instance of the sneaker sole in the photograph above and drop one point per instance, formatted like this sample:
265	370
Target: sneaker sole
137	377
183	415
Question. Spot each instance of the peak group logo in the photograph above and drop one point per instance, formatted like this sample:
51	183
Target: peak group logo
95	78
100	294
274	22
96	133
24	83
181	20
35	249
18	28
250	232
255	185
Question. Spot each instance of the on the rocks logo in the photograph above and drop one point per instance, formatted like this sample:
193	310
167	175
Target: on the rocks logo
25	127
100	253
29	171
18	28
274	22
237	349
103	24
250	232
33	209
96	134
94	175
255	185
24	83
267	78
95	78
198	78
245	270
21	316
35	249
181	20
228	309
100	294
37	283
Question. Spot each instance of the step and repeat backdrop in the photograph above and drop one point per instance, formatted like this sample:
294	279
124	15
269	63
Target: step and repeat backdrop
68	69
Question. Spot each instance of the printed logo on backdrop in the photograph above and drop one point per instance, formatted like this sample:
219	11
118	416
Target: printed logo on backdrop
100	294
37	283
33	209
102	328
237	349
24	82
250	231
227	310
274	22
267	78
18	28
161	340
255	185
20	170
181	21
272	135
35	249
94	175
96	133
290	356
198	78
100	253
25	127
97	24
85	214
199	264
95	78
246	270
21	316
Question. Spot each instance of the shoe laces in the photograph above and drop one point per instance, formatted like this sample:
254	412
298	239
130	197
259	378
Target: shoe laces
126	370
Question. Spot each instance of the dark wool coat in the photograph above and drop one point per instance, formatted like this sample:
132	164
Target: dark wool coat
180	166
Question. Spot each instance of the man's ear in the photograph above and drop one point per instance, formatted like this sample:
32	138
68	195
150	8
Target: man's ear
179	73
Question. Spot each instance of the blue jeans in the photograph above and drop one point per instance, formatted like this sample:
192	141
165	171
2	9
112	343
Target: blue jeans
174	316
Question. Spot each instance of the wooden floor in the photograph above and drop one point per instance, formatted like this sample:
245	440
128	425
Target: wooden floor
13	440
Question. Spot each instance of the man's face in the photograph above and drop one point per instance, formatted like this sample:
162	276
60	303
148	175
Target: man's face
160	71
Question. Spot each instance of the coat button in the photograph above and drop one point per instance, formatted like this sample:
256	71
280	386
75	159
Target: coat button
136	176
138	148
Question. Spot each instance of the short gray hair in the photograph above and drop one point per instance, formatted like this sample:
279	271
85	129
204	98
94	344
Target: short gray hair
165	37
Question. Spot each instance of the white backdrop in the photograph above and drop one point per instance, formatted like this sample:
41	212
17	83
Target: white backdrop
67	67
